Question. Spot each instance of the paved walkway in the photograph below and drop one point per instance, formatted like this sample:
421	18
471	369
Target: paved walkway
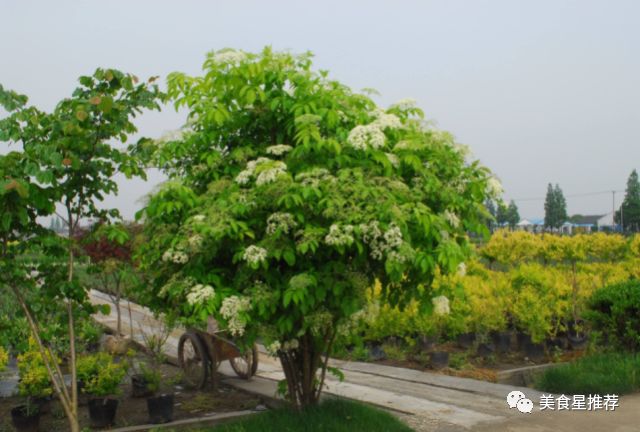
426	401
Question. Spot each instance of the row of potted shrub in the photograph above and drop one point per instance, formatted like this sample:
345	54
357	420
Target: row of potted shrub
99	378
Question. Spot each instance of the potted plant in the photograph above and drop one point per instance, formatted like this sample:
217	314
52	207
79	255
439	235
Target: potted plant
441	309
159	405
35	386
101	377
4	359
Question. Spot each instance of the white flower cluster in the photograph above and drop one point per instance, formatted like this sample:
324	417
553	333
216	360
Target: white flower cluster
314	176
169	136
462	269
441	305
279	149
273	348
198	218
395	161
231	310
36	276
268	175
175	256
280	221
319	322
402	145
380	242
405	104
452	218
291	345
339	235
199	294
364	136
384	120
195	241
254	254
494	188
229	56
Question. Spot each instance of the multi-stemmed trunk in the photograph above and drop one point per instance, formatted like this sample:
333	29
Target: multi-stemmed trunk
305	369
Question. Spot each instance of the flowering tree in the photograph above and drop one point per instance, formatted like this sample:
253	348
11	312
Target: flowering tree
289	195
68	159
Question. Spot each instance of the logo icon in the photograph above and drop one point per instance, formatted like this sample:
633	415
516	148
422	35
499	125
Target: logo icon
517	399
513	398
525	405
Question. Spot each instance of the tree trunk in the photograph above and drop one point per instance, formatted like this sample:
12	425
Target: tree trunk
301	366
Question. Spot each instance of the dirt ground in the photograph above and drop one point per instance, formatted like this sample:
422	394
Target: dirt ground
188	403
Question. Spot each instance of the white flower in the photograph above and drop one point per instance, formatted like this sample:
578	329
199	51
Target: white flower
452	218
175	256
402	145
280	221
254	254
229	56
279	149
199	294
195	241
198	218
384	120
393	236
339	235
441	305
231	310
271	174
462	269
494	188
405	104
269	171
314	176
291	345
174	135
395	161
364	136
382	243
244	177
273	348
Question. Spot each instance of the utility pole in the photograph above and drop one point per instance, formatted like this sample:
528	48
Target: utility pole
613	209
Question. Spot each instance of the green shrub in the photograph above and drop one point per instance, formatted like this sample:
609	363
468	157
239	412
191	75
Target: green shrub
100	375
610	373
615	311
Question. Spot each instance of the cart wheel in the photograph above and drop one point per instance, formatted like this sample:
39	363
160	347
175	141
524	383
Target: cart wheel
193	360
247	365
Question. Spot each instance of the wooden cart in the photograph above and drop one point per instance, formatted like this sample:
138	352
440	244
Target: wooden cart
200	354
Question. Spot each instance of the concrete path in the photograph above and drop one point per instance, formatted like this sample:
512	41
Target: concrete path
426	401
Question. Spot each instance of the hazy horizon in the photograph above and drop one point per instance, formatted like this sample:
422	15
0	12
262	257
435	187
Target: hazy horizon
542	92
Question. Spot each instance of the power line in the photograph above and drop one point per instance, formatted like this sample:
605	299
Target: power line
577	195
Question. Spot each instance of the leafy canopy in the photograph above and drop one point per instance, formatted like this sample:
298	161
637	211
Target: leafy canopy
289	194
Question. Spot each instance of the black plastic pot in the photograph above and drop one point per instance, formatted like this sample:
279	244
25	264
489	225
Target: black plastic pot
44	404
559	342
426	343
102	412
522	340
534	351
139	386
160	408
502	341
577	341
466	340
439	359
376	352
24	423
485	349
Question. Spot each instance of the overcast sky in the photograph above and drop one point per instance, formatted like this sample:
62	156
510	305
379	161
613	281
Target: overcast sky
542	91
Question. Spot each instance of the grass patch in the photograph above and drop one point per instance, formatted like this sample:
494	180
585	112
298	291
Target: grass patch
335	415
609	373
